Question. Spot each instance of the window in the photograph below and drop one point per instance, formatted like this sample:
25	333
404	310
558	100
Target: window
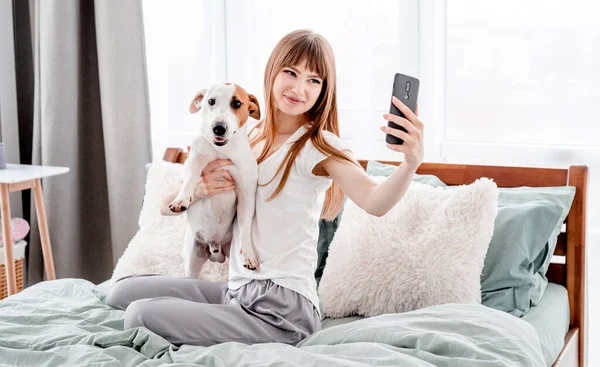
523	88
192	44
523	72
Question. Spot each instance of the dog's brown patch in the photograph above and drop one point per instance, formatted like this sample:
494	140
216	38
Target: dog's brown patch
249	107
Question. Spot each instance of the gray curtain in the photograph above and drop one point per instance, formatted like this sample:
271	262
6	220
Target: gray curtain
9	133
83	101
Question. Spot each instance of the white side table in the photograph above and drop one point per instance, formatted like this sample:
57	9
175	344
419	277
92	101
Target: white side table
18	177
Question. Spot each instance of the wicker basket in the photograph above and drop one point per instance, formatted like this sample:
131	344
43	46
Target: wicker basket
19	259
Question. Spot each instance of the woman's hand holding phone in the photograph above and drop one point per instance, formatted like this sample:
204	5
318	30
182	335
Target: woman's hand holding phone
413	137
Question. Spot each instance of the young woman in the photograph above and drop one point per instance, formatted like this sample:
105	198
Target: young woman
304	171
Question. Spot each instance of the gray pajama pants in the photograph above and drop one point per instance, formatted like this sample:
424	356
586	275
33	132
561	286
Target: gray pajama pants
192	311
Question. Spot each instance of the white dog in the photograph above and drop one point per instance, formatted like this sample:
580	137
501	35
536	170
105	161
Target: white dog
224	110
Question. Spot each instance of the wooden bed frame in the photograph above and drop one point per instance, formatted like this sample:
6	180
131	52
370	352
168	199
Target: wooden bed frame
570	246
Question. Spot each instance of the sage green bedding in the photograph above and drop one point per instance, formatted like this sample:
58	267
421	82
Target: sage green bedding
550	319
67	323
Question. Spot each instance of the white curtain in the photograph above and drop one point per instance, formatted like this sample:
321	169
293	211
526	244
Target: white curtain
185	52
9	131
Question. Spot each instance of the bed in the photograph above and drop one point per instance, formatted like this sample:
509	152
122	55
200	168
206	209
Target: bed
67	322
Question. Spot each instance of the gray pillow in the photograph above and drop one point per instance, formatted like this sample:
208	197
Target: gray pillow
559	195
510	276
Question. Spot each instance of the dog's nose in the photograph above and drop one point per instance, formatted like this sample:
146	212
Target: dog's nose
219	129
215	250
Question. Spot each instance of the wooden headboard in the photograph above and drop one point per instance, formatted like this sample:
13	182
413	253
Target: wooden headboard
571	244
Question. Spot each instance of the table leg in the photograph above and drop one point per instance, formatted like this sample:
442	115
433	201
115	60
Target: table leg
11	279
40	210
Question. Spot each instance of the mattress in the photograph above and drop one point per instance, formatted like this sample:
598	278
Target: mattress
551	319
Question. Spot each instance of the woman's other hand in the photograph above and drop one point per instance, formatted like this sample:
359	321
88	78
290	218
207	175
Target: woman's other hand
214	180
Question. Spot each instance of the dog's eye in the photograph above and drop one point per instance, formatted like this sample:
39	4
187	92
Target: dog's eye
236	104
211	101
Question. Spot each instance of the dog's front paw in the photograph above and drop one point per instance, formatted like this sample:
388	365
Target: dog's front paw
250	261
180	204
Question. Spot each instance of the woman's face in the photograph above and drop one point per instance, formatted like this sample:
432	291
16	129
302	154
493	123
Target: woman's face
296	89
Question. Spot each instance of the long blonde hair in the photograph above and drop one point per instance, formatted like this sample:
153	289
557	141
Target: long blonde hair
294	49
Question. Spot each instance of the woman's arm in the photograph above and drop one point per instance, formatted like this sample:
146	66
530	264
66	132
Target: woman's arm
374	198
377	199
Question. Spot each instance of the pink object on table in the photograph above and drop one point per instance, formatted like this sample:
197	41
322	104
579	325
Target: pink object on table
19	228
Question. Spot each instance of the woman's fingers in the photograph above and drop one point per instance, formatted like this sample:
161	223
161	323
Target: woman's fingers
227	188
215	165
227	176
222	162
213	183
397	147
397	133
221	189
401	121
219	183
410	116
404	109
211	166
412	148
218	175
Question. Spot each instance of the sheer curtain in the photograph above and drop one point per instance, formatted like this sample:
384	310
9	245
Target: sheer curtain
191	44
185	52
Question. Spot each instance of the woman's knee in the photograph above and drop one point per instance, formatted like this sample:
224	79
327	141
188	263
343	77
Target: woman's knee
135	314
119	295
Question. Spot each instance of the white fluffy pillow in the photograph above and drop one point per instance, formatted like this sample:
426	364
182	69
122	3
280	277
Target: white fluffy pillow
428	250
156	247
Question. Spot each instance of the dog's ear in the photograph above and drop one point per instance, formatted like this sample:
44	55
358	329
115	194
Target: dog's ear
197	101
253	108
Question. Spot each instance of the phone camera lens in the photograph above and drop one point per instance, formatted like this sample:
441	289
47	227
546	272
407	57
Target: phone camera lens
407	87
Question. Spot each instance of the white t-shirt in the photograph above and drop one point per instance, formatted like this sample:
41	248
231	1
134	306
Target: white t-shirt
285	230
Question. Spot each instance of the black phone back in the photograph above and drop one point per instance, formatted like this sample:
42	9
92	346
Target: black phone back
406	89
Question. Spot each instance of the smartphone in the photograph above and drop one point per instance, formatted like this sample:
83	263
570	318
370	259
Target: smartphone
406	89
